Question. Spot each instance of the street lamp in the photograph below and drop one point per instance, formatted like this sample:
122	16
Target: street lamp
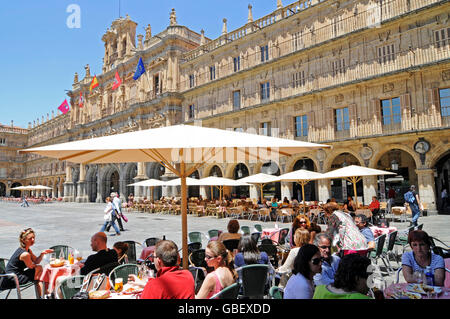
394	165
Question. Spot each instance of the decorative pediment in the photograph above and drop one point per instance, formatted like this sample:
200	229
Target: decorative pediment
384	36
388	87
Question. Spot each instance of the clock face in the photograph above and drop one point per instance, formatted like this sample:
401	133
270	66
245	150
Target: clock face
422	147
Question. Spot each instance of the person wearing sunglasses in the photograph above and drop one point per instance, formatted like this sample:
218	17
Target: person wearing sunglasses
24	263
308	262
224	275
350	281
330	261
301	221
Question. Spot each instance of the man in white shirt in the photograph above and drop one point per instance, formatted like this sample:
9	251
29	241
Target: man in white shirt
117	206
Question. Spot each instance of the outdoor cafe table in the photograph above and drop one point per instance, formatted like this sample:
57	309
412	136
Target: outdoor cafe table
50	274
366	212
402	287
378	231
272	233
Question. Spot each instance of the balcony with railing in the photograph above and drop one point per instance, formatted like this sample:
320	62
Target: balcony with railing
373	16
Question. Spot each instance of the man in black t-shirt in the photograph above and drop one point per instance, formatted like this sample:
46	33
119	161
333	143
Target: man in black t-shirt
104	255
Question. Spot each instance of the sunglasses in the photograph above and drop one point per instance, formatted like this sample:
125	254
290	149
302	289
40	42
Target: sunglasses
209	257
302	222
316	261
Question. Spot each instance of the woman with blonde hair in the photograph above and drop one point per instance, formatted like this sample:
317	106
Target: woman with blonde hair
224	275
24	263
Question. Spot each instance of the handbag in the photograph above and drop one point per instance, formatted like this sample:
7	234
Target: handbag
107	216
124	218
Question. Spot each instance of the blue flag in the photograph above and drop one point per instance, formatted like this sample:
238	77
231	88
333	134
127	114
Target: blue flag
140	69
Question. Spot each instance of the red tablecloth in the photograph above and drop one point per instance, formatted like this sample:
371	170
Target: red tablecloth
272	233
50	274
402	287
378	231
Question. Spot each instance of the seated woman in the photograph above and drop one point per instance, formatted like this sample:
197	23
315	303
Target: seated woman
301	221
285	203
350	206
224	275
24	263
308	262
249	253
350	280
121	248
420	257
233	231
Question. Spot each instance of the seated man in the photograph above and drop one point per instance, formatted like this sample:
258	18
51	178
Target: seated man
104	255
330	262
374	207
170	282
362	222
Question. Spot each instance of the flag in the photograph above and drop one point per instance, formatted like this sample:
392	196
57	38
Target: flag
64	107
81	100
94	83
117	81
140	69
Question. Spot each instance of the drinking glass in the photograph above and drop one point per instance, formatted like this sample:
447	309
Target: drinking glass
52	257
118	284
418	276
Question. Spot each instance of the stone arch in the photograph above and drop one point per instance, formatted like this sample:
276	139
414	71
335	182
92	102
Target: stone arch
130	171
289	167
341	188
311	188
91	183
109	180
2	189
15	193
336	153
386	148
439	151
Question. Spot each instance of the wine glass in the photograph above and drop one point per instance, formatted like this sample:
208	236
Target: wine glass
418	276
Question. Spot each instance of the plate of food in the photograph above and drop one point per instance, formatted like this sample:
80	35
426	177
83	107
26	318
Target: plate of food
131	289
416	288
411	295
99	294
57	263
432	289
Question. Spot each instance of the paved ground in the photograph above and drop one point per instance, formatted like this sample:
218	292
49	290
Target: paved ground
73	224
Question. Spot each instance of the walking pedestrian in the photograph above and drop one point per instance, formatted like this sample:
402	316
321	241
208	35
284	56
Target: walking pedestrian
413	200
110	217
117	207
444	198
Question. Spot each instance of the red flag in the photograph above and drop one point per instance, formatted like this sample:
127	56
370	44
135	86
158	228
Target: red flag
94	83
64	107
81	100
117	81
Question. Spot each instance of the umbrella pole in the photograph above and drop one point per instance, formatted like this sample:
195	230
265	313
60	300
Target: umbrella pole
303	197
184	215
353	179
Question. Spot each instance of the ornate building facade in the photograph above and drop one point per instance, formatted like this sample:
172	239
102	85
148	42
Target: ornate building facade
369	77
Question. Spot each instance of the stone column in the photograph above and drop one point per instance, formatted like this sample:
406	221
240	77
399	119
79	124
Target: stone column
426	188
82	196
68	186
139	191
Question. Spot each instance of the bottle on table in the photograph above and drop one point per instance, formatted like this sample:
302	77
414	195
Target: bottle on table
429	276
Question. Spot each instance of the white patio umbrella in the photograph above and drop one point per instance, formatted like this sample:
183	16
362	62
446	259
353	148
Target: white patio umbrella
149	183
302	177
354	173
220	182
39	187
260	180
182	144
19	188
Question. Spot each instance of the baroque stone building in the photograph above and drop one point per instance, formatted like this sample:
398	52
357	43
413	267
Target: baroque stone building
369	77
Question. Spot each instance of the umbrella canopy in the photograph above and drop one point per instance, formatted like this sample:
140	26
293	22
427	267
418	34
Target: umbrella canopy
19	188
354	173
149	183
183	144
189	182
302	177
37	187
261	180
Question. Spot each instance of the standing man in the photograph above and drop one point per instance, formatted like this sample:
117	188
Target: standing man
444	197
117	208
413	200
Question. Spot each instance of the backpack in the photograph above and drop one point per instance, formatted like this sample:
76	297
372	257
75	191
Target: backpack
409	197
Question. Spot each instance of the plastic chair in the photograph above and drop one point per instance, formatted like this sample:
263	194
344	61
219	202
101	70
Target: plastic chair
123	271
194	246
131	252
199	274
402	240
214	233
70	286
197	258
258	227
271	251
151	241
19	288
231	244
195	237
245	230
378	252
230	292
282	236
61	248
276	292
253	279
390	249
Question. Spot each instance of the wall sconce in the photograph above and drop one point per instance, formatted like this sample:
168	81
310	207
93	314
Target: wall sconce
394	165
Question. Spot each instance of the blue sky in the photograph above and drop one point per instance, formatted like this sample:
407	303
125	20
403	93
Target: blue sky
40	54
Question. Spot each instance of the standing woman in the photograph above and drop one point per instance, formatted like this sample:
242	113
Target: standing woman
307	263
24	263
224	275
109	217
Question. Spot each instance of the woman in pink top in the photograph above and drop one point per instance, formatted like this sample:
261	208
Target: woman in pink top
217	257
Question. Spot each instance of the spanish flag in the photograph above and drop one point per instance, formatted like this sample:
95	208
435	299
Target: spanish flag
94	83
